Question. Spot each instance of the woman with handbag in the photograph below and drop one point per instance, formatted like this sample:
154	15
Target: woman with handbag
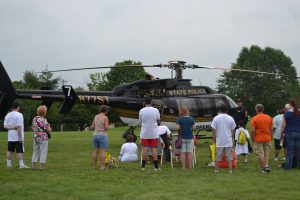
185	125
41	134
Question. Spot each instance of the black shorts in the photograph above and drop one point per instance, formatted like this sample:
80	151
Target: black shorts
277	144
15	146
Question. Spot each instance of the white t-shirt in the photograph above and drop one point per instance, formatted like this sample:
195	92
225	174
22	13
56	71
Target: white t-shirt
223	124
148	117
14	118
277	125
129	152
162	129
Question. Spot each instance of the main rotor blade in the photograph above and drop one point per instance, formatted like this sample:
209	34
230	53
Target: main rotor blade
105	67
236	69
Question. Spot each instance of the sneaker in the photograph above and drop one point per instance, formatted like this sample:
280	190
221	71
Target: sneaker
230	172
263	171
276	159
283	158
24	167
212	164
246	160
216	171
156	169
267	169
143	168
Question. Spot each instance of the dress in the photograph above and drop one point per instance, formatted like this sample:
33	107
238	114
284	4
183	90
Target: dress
241	148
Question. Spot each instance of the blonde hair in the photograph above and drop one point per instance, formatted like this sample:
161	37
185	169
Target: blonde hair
41	110
184	111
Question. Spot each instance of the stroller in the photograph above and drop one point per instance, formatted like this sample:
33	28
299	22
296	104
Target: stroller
130	130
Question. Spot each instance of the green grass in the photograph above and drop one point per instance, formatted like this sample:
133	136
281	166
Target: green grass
69	175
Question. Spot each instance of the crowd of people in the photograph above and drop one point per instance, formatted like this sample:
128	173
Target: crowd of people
229	134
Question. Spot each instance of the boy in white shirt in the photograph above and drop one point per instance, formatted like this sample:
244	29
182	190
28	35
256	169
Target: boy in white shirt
14	123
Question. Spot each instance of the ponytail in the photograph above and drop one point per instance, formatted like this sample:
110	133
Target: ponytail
293	103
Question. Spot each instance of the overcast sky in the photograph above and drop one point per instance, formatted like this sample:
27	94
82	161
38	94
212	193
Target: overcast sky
64	34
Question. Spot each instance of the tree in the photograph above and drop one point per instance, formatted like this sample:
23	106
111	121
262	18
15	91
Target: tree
270	90
119	74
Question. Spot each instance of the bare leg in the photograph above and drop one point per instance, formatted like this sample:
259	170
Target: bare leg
144	153
216	166
154	153
190	160
9	155
33	165
230	165
42	166
102	158
182	159
262	161
95	157
20	156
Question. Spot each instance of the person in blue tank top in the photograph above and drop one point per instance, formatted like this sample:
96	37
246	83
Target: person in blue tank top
185	125
290	126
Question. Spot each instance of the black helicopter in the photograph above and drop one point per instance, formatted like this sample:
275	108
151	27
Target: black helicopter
127	99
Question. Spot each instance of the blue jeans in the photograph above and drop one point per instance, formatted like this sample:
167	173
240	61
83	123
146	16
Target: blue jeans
292	147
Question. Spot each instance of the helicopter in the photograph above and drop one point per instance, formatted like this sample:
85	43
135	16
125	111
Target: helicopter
168	95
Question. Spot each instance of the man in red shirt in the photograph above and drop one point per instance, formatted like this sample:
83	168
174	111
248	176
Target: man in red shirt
261	135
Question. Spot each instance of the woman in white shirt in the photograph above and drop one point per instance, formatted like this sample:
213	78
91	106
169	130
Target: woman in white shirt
129	150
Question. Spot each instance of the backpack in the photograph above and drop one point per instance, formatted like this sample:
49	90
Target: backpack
242	137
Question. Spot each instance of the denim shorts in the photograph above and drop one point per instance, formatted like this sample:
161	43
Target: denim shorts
187	146
100	141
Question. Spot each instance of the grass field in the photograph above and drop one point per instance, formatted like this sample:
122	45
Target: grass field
69	175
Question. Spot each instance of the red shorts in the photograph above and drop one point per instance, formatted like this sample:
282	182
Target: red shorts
149	142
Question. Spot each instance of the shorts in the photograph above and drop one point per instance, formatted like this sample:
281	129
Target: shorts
227	151
277	144
149	142
15	146
187	146
262	149
100	141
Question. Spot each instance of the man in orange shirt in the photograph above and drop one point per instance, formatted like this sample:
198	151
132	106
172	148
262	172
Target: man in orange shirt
261	135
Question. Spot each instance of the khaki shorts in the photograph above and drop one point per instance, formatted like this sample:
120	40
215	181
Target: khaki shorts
262	149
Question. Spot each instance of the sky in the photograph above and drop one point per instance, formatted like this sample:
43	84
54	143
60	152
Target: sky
62	34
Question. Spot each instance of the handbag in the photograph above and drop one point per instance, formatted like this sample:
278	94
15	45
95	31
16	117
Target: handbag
48	135
178	142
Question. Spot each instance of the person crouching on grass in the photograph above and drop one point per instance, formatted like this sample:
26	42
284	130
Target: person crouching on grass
100	139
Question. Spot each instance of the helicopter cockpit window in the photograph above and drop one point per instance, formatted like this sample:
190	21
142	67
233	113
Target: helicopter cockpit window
190	104
203	107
